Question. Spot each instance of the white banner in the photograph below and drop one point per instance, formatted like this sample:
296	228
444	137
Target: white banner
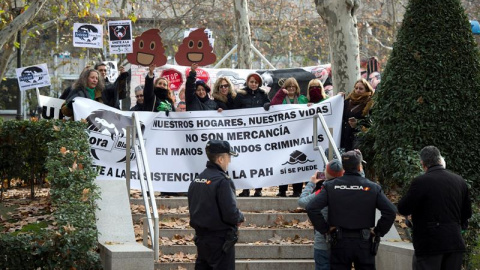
33	77
120	37
87	35
275	146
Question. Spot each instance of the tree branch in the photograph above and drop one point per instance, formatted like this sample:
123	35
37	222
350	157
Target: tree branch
20	21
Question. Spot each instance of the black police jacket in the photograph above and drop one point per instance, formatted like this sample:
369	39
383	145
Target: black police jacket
212	202
351	200
440	205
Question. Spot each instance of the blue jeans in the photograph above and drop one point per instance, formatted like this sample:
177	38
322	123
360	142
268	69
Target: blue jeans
322	259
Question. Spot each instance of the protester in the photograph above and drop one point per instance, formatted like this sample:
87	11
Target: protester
157	97
252	96
117	90
196	93
316	92
374	80
321	248
356	107
213	210
352	200
181	107
89	85
224	94
439	203
139	97
289	93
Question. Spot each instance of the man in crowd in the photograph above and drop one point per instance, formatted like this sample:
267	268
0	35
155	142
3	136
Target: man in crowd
139	96
213	210
352	201
116	90
181	107
440	206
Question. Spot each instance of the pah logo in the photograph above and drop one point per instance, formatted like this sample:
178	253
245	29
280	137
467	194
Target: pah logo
31	75
87	33
297	157
108	136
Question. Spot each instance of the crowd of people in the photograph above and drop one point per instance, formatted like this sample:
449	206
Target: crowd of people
340	202
156	96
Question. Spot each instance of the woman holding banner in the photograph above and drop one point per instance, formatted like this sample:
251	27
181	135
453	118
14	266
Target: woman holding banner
316	92
224	94
289	94
252	96
89	85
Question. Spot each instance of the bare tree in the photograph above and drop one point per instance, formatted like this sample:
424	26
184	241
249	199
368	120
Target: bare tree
244	40
339	16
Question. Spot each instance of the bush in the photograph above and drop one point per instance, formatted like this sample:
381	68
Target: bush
72	244
429	95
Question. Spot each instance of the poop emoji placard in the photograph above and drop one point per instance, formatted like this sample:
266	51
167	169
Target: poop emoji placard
148	49
195	49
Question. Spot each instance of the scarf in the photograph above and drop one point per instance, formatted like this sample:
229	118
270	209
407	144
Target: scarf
91	92
316	95
162	94
361	99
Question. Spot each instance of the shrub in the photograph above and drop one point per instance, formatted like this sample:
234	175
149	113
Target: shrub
429	95
72	244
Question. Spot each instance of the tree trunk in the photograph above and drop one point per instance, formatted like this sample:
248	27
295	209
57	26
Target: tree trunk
243	35
339	16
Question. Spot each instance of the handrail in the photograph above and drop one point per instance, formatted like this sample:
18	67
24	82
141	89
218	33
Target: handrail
144	169
318	147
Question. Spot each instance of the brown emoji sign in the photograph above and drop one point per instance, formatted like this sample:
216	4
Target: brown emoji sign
148	49
195	49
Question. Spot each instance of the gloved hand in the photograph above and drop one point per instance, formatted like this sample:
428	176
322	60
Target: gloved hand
266	106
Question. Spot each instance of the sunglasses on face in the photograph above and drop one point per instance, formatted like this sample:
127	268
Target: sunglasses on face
224	86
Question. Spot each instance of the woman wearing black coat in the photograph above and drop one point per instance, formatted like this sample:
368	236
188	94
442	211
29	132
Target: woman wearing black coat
196	93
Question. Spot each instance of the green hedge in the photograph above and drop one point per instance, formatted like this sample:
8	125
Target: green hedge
430	95
60	150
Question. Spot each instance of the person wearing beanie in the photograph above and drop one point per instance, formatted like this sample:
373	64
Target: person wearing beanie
333	170
352	201
252	96
196	93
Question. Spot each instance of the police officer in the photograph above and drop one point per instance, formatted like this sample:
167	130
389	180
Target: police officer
352	200
213	210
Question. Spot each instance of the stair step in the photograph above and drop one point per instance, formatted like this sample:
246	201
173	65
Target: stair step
307	264
245	204
248	235
259	219
252	251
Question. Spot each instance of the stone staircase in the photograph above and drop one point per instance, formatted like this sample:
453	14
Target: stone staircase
276	235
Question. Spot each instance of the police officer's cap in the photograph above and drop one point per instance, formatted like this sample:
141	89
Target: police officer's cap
219	147
351	160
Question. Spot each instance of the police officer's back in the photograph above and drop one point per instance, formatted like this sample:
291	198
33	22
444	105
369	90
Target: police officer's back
213	210
352	201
